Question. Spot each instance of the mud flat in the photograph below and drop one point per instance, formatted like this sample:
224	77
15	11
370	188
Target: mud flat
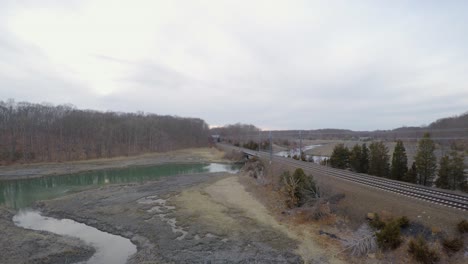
203	218
20	245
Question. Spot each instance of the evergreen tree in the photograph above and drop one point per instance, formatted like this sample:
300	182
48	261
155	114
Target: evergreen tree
412	174
399	162
457	166
340	157
426	161
378	159
444	173
364	159
355	158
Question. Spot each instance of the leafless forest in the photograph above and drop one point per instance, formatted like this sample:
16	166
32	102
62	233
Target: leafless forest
45	133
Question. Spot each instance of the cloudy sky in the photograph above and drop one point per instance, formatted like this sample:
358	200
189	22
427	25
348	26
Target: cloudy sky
276	64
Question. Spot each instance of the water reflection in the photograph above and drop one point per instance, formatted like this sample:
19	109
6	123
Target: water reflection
109	248
22	193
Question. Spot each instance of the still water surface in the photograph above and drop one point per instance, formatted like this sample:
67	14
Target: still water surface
109	248
24	192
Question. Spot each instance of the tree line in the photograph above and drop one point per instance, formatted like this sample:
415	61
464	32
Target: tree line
45	133
375	160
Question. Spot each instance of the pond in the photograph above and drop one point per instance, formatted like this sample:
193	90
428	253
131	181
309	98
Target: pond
24	192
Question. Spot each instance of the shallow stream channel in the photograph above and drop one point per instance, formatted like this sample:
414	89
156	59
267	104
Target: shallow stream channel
22	194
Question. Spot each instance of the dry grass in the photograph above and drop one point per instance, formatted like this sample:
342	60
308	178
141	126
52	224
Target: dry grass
359	200
213	203
297	221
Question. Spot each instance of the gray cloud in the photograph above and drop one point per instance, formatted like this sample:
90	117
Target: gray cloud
360	65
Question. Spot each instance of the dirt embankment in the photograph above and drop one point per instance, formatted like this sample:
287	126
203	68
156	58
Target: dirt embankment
44	169
20	245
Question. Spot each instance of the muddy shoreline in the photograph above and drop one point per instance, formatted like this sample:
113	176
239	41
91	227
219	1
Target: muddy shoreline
175	220
26	171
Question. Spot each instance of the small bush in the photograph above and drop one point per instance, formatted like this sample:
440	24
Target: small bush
403	221
377	223
299	187
421	251
463	226
362	242
453	245
389	237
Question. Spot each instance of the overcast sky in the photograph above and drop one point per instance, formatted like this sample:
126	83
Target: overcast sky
361	65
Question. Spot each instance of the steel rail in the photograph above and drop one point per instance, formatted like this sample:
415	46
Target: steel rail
406	189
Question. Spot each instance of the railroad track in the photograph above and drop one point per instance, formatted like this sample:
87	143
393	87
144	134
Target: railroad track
423	193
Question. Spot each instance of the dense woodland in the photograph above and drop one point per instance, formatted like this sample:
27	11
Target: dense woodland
43	133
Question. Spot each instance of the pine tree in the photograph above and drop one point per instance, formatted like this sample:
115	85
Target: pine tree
364	159
444	173
340	157
399	162
457	166
355	158
426	161
378	159
412	174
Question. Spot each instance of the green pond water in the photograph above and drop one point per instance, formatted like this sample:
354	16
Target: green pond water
23	193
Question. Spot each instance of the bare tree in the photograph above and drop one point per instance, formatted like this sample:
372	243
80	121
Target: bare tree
43	132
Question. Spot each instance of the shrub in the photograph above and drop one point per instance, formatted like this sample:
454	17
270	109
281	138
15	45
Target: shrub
362	242
291	189
299	188
453	245
403	221
463	226
377	223
389	237
421	251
